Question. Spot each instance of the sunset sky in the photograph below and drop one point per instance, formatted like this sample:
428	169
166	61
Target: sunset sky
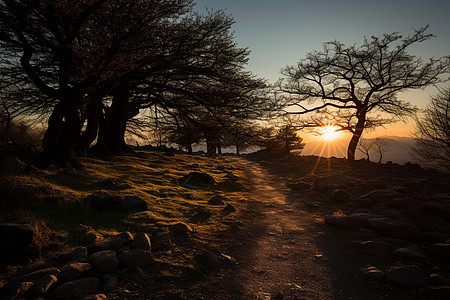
281	32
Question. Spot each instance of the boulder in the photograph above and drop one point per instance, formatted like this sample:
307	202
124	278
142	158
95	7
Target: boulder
136	257
228	209
201	216
218	200
113	243
132	202
373	272
376	247
22	239
102	200
180	232
410	253
197	178
231	177
41	286
161	241
116	184
409	276
79	254
110	283
17	291
104	261
77	289
74	270
141	241
340	196
21	284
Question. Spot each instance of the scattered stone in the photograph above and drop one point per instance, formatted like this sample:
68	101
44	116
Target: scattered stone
141	241
79	253
440	251
180	232
201	216
104	261
409	276
299	186
20	239
77	289
96	297
439	292
218	200
373	272
116	184
40	287
113	243
74	270
197	178
410	253
161	241
136	258
228	209
110	283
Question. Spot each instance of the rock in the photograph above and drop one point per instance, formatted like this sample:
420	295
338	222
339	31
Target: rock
41	286
299	186
17	285
201	216
22	239
439	292
74	270
161	241
440	251
116	184
376	247
79	253
436	279
409	276
102	200
340	196
197	178
228	209
104	261
231	177
410	253
206	259
136	258
400	202
132	202
378	224
110	283
113	243
373	272
218	200
398	230
77	289
382	195
180	232
96	297
141	241
17	291
343	222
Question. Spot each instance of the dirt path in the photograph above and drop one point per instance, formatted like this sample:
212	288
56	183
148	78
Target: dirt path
284	251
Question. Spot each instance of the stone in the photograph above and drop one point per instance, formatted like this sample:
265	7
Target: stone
181	232
378	224
136	258
141	241
102	200
299	186
116	184
78	288
439	292
79	254
197	178
231	177
161	241
113	243
104	261
382	195
218	200
340	196
409	276
410	253
200	216
22	239
373	272
400	230
228	209
110	283
96	297
133	202
440	251
74	270
41	286
376	247
17	291
206	259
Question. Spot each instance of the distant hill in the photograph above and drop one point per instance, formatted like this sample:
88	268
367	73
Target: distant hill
399	153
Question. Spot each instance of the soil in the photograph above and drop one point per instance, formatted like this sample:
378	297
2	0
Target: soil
283	249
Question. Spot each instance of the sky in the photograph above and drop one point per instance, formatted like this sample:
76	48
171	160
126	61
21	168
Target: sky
281	32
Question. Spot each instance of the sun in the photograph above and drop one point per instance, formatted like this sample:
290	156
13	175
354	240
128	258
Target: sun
329	132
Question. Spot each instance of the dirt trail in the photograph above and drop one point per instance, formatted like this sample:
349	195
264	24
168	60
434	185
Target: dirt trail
283	251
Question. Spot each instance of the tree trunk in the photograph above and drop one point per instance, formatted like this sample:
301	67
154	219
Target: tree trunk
92	127
351	150
219	148
237	149
189	148
210	148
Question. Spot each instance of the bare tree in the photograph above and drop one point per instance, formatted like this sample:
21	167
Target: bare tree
364	147
381	147
432	138
357	87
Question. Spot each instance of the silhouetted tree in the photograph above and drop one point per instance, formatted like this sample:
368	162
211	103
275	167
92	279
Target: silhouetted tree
432	137
364	147
283	141
354	83
381	146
